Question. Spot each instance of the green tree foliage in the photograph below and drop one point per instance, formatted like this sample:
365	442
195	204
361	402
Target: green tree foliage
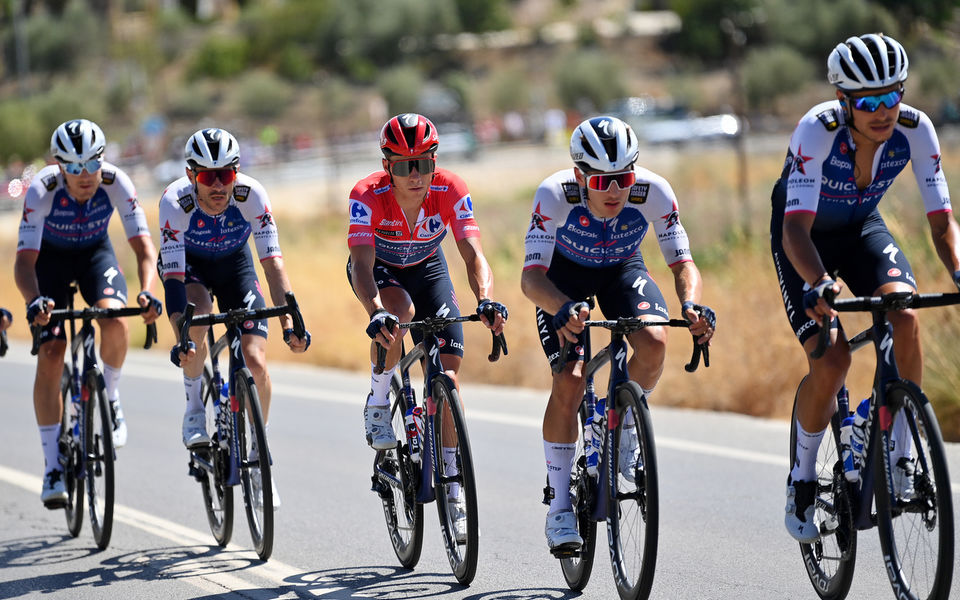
937	12
587	80
483	15
220	57
263	95
57	43
771	72
22	132
702	36
400	87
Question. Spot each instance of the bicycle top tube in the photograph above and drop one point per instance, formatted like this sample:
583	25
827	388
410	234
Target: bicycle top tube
877	305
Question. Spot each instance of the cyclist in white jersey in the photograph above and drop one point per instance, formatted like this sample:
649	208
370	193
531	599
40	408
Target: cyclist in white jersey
63	238
584	240
206	219
843	156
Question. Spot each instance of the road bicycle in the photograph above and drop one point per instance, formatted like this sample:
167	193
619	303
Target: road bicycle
625	494
413	473
915	526
87	454
238	453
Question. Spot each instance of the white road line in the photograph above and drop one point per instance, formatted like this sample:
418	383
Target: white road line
209	581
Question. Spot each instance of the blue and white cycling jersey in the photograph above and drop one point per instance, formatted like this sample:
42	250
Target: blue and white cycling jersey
819	167
52	216
562	222
186	229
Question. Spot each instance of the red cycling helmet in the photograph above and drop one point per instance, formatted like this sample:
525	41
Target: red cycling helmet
408	134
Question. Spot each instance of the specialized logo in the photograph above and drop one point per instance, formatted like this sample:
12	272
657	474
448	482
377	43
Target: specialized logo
799	160
886	345
891	252
109	274
538	219
169	233
639	284
443	311
249	299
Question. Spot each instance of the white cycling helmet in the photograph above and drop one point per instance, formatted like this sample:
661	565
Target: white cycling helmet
869	61
604	144
77	141
212	148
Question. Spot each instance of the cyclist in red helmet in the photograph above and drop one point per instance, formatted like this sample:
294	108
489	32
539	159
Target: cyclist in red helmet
398	218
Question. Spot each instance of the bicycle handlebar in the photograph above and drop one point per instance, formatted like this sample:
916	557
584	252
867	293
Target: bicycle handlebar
238	315
93	312
884	303
434	324
627	325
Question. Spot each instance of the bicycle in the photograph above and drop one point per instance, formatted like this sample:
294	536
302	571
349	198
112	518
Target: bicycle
631	509
238	453
87	420
413	473
904	520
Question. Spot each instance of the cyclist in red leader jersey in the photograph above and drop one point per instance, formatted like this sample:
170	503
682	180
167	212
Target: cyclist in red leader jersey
398	217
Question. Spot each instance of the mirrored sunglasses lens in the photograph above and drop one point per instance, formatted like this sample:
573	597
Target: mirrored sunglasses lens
91	166
602	182
403	168
872	103
226	176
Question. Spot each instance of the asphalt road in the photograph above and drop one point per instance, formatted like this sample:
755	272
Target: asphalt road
721	532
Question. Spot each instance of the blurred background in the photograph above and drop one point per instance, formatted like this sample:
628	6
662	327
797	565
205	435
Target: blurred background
712	87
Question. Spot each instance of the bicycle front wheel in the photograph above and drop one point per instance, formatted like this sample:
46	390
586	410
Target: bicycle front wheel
395	478
98	445
583	490
915	517
454	480
831	560
211	466
255	475
633	511
72	451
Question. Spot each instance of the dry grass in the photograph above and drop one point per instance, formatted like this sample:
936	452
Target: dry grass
755	362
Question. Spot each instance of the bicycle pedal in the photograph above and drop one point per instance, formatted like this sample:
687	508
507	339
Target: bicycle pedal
566	551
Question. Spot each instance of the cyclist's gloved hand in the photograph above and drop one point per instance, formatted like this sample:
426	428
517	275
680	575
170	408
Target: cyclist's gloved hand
811	296
378	319
152	302
175	352
956	279
486	307
566	311
288	332
37	306
6	313
705	312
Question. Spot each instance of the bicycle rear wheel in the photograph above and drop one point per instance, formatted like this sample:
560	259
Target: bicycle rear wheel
395	478
916	529
254	467
456	494
98	441
831	560
633	513
71	450
210	468
583	489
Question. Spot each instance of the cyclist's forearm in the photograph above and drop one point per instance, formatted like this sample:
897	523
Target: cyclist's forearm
803	253
946	239
146	254
25	275
687	281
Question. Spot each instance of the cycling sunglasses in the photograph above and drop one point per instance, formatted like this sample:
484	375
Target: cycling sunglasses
209	176
872	103
91	166
403	168
601	182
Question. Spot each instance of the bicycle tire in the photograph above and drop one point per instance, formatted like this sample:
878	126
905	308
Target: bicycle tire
583	490
71	451
249	428
217	496
830	562
917	532
100	457
461	554
633	511
402	512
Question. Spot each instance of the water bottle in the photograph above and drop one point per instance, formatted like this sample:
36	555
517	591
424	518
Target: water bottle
859	431
414	425
595	422
851	463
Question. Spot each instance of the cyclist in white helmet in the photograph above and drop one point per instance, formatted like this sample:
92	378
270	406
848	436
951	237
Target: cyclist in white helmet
843	156
206	219
63	238
584	240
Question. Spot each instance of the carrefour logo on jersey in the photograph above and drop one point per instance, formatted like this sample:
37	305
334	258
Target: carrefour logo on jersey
464	208
430	227
359	213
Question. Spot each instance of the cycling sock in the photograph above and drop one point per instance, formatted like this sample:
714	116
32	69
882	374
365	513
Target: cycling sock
111	379
192	387
450	469
559	463
380	386
49	439
805	467
900	437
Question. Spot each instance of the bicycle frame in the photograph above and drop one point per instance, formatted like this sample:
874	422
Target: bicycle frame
227	429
